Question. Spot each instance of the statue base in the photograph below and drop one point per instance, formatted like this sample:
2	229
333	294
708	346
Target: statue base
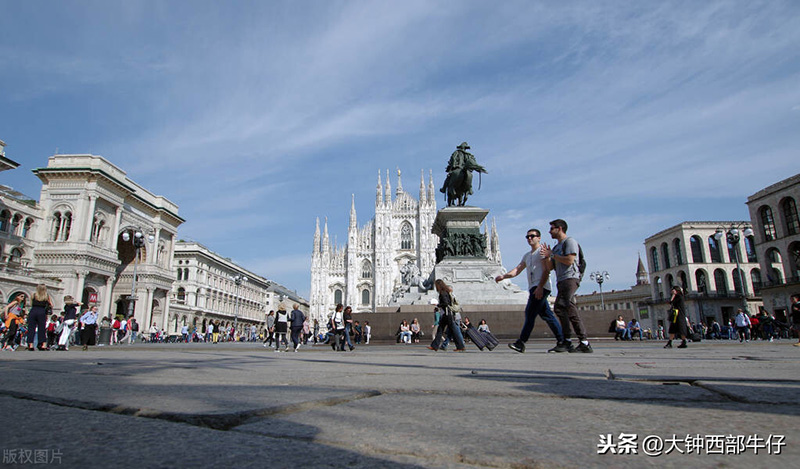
462	263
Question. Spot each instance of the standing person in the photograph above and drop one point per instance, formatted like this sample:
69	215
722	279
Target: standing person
565	259
367	332
37	317
677	318
153	332
538	292
115	326
51	330
743	326
70	316
297	319
215	331
316	331
281	327
134	330
447	320
336	327
795	316
348	327
13	315
185	333
270	328
89	332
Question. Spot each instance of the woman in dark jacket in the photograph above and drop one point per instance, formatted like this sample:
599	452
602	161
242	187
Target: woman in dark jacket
447	322
37	318
677	325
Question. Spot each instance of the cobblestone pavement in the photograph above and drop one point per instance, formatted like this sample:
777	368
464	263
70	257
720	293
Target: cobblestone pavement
715	404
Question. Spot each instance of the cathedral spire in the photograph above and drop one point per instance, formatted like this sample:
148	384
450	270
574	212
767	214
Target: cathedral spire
399	183
388	199
431	190
421	186
326	244
352	211
379	191
316	239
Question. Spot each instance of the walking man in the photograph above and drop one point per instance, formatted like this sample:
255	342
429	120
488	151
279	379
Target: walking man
538	292
564	258
296	320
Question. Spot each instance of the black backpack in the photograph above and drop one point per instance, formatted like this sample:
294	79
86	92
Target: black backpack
581	260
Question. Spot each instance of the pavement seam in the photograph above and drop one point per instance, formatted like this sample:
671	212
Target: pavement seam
221	422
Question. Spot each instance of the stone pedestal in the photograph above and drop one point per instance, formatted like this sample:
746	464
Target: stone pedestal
462	263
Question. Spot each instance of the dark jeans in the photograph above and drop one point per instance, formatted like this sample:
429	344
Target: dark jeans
539	308
567	311
447	325
347	328
296	335
37	320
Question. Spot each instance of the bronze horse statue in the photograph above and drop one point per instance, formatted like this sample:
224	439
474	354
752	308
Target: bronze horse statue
458	184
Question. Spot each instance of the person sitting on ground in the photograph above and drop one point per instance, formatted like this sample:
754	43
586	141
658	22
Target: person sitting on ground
483	327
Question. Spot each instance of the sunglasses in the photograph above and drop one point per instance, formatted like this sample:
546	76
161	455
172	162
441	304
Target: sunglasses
532	236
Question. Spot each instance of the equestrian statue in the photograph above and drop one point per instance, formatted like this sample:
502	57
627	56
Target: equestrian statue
458	184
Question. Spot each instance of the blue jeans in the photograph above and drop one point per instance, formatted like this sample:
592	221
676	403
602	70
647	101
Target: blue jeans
540	308
448	327
347	328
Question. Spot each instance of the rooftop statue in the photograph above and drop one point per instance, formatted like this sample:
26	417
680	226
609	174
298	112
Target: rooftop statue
458	184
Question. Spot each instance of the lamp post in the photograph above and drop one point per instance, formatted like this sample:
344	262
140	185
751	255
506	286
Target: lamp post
600	277
237	279
733	236
138	243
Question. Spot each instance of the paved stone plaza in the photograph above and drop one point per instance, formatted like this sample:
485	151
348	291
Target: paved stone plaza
240	405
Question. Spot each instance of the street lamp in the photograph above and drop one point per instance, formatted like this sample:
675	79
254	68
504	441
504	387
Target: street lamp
138	243
237	279
600	277
733	237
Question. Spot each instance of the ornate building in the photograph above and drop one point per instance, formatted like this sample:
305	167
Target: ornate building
207	289
773	212
384	258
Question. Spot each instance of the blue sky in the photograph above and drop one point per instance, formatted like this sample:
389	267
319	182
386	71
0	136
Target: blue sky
256	117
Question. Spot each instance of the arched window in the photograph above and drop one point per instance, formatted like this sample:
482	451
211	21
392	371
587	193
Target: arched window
181	295
5	218
697	249
15	224
97	229
670	282
789	210
26	228
682	279
406	236
654	259
794	260
713	247
665	256
750	247
755	277
67	226
366	269
337	297
777	276
731	251
16	256
774	256
702	281
657	288
720	282
676	246
767	223
56	232
365	296
180	274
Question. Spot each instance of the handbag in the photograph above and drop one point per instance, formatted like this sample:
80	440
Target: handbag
674	317
455	307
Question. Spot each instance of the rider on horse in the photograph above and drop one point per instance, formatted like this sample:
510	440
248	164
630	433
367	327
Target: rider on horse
458	184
